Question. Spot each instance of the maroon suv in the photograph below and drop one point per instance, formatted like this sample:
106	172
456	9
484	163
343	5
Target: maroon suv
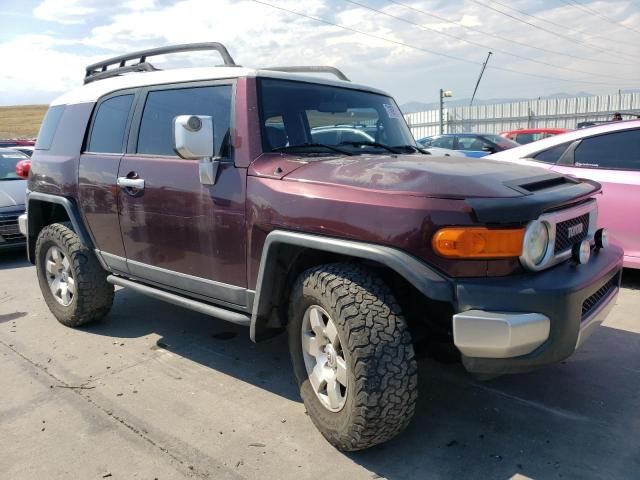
204	187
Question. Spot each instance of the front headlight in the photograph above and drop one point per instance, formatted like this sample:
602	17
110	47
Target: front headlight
536	243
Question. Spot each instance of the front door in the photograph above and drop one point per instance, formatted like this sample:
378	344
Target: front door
178	233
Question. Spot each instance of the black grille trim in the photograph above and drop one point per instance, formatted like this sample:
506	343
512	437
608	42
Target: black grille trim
9	230
563	241
594	300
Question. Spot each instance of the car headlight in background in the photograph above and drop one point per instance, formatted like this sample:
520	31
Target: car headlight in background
536	244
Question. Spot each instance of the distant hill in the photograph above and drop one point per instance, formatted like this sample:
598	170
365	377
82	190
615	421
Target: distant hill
411	107
21	121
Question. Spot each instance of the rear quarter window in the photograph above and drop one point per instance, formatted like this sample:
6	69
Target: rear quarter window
49	127
553	154
110	125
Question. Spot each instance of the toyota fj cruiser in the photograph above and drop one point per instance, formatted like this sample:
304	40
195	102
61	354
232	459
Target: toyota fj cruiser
204	187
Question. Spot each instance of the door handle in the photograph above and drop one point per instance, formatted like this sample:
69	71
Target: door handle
137	183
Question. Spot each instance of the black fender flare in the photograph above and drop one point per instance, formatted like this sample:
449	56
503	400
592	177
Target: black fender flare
278	247
35	220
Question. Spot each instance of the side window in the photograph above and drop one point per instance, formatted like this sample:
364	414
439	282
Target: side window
524	138
162	106
472	143
443	142
553	154
616	151
109	125
49	127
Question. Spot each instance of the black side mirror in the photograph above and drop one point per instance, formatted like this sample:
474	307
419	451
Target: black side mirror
489	148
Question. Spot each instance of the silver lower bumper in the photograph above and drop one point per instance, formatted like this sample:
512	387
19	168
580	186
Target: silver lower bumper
477	333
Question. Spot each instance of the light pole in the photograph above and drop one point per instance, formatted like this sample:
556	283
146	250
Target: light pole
443	94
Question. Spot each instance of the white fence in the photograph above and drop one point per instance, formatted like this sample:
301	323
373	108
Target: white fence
554	112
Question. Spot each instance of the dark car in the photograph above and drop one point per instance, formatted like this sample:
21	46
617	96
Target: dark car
471	144
205	188
12	198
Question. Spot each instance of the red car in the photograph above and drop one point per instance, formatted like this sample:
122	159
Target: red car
528	135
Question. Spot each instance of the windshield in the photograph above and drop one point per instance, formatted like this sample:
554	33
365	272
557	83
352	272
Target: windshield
294	114
8	161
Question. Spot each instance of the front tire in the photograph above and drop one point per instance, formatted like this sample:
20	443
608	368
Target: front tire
352	355
73	283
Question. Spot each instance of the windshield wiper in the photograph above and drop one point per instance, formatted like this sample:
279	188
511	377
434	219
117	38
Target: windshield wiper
287	148
371	144
414	148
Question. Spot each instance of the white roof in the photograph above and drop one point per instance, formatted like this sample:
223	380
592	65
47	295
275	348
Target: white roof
532	148
91	92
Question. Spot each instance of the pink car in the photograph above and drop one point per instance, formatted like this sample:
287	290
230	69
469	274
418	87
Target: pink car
608	154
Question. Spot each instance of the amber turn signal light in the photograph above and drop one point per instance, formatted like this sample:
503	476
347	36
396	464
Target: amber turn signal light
478	242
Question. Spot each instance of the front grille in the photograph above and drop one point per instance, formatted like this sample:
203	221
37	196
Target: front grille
563	240
9	230
594	300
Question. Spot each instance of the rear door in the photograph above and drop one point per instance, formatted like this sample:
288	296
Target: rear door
613	160
97	191
178	233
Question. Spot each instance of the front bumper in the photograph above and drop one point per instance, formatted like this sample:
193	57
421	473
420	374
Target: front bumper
10	235
549	314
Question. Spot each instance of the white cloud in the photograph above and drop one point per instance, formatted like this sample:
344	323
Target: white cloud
35	71
258	35
64	11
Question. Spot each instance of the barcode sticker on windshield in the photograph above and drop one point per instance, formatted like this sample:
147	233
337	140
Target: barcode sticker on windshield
392	110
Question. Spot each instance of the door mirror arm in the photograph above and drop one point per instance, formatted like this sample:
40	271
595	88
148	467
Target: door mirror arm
208	170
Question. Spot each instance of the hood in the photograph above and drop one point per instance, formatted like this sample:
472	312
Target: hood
422	175
12	193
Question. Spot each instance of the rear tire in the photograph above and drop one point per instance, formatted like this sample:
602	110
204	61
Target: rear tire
73	283
344	323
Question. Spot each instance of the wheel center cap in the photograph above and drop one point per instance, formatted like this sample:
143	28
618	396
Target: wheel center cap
331	356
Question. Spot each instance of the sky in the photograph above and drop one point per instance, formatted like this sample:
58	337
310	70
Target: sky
409	48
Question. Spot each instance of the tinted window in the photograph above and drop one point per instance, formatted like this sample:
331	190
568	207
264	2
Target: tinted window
156	137
619	150
471	143
109	125
442	142
553	154
49	126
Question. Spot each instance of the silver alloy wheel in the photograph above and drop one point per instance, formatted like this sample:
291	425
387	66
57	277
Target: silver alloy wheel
60	276
324	358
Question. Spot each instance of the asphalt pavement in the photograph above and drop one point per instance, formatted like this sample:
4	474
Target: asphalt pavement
158	392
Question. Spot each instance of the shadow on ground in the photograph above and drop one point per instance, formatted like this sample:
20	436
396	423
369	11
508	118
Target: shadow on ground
14	258
577	419
631	279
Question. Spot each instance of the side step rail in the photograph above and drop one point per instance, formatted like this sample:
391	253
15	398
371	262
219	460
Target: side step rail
217	312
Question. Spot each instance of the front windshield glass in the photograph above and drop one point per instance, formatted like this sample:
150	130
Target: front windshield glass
305	117
8	161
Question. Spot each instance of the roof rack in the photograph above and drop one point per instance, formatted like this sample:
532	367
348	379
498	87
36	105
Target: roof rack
99	71
311	69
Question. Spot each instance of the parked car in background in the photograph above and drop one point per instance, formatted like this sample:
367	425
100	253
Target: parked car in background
523	136
444	152
608	154
12	198
471	144
24	149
